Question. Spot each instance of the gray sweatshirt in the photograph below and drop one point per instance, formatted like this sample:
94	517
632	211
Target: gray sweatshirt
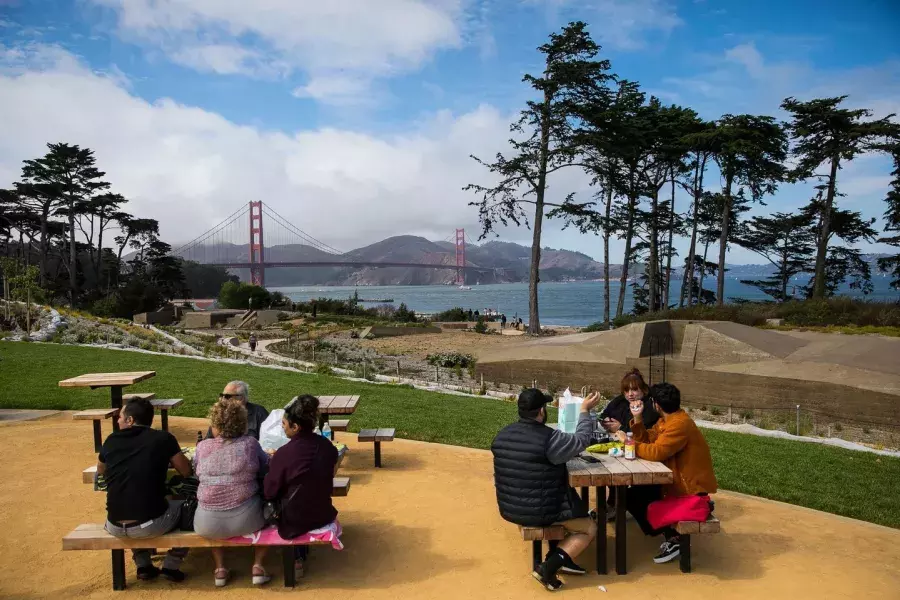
563	447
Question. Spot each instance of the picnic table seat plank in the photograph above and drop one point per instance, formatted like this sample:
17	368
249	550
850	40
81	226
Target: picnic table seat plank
384	434
167	404
685	530
339	424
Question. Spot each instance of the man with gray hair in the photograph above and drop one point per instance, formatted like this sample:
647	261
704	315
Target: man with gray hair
256	414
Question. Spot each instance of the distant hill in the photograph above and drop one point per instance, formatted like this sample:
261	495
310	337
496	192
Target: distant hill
513	259
767	269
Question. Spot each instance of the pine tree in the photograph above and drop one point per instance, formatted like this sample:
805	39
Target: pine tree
825	133
892	223
787	241
544	143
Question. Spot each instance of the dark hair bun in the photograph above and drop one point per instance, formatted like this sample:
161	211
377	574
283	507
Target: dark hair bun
302	411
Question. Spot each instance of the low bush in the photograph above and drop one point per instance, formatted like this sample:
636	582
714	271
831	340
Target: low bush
451	360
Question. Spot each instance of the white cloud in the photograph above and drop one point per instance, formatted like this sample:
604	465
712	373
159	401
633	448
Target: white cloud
189	168
621	24
320	39
336	89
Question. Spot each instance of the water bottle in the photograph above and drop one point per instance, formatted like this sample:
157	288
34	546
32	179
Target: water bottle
326	431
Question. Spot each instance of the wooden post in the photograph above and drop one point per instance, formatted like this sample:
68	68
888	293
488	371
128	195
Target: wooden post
482	380
729	414
398	371
364	370
28	311
437	373
798	419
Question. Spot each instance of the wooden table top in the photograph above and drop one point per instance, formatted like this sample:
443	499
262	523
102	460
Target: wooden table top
338	405
107	379
614	470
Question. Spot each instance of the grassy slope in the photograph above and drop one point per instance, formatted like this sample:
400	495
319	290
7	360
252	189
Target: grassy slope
844	482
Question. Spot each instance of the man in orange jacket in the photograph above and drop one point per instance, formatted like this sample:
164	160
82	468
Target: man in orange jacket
676	441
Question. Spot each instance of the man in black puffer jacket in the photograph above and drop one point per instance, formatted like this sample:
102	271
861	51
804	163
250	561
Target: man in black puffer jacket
533	484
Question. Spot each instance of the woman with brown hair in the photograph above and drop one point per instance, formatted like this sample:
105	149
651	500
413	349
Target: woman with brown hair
300	477
228	501
617	414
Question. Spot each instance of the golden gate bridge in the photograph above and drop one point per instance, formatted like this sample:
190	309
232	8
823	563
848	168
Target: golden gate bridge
241	241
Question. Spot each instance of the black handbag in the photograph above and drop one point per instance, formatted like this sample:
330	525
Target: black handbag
188	509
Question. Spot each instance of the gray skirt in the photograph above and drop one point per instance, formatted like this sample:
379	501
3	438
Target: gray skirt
221	524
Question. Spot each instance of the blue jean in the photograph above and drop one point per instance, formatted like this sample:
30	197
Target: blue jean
153	529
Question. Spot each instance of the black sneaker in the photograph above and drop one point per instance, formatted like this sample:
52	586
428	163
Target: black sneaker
147	573
670	550
552	584
173	575
570	567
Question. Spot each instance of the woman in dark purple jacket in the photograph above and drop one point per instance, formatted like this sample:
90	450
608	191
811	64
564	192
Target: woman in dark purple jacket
300	475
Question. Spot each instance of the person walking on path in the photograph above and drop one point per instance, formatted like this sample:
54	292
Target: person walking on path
252	342
532	481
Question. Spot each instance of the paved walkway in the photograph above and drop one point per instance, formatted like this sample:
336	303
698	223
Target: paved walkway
426	526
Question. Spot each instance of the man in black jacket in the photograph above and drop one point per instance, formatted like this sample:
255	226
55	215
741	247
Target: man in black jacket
532	482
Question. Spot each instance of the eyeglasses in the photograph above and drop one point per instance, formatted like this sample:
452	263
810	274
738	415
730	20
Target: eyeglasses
230	396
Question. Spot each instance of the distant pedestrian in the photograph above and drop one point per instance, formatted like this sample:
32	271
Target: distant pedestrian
502	321
314	310
252	342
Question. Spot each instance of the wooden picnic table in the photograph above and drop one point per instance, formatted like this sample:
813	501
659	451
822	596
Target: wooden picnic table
114	381
617	473
336	405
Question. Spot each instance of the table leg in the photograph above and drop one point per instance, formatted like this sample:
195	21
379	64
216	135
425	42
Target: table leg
601	530
115	396
586	496
287	561
378	454
536	554
164	415
98	438
621	567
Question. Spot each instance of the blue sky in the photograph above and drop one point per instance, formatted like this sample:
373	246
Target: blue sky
356	119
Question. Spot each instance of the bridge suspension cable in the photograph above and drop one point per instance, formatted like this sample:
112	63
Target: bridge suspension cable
319	245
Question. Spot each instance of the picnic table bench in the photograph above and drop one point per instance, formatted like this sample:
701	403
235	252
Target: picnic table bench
336	405
385	434
164	406
685	530
98	415
93	536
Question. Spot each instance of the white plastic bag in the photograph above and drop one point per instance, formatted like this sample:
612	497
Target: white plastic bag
271	434
569	409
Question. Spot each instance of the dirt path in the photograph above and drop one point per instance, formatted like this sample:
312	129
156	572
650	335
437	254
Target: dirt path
426	526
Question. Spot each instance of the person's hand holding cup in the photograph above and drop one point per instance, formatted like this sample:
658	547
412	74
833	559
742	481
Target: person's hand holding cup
637	409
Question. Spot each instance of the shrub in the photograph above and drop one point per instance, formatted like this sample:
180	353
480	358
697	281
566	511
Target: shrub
480	326
323	369
715	411
451	359
454	314
598	326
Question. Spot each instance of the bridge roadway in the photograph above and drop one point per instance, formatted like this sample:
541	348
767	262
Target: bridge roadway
342	263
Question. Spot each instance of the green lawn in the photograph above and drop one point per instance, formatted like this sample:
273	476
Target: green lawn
854	484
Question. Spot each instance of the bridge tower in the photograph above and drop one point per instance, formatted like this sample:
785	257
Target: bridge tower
257	252
460	257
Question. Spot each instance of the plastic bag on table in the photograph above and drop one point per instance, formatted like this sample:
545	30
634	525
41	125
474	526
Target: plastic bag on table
569	409
271	434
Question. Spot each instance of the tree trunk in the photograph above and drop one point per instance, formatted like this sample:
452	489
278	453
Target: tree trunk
669	250
534	321
652	286
629	234
723	241
73	257
824	232
606	234
702	272
688	281
45	215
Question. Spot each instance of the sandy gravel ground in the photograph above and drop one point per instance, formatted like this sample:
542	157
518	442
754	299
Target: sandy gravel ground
426	526
419	346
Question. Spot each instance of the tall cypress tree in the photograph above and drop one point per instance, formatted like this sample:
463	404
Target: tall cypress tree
825	133
787	241
892	223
